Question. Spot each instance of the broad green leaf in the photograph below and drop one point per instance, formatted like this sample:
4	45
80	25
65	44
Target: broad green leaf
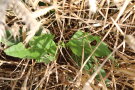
43	48
102	50
82	40
77	42
18	50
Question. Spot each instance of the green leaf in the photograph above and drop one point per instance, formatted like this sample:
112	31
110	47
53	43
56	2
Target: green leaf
43	48
82	40
18	50
102	50
77	42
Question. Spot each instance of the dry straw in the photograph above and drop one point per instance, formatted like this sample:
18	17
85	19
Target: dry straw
21	11
129	39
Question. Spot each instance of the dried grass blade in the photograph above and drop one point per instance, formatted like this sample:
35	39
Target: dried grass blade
42	11
3	6
26	15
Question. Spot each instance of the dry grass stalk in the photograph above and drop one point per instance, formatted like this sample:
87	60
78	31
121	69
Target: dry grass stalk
31	23
16	78
25	83
41	12
118	3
